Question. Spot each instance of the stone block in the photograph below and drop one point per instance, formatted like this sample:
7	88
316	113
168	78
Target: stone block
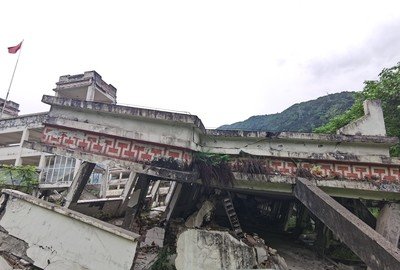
155	237
201	249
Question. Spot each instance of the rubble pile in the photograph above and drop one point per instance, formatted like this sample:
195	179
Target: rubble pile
197	242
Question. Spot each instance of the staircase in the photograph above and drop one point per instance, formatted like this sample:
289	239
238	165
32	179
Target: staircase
232	216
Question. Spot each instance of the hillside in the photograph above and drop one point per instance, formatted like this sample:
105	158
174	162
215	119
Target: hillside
300	117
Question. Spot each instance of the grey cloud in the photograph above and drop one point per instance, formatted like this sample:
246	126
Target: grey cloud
382	48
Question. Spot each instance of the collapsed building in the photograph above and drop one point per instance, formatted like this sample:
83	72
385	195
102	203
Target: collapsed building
213	191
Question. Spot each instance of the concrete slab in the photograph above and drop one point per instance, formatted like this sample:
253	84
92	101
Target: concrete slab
62	239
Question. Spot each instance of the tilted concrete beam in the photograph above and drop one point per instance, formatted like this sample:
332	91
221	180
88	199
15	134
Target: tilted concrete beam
369	245
79	183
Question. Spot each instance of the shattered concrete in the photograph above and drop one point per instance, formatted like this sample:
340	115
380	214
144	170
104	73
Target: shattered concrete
12	245
154	237
197	219
201	249
145	258
210	249
55	238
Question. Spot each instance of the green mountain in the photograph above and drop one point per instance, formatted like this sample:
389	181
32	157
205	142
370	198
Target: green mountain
300	117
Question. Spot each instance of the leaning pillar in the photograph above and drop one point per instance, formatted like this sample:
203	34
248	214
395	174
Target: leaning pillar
136	201
104	186
303	219
24	137
288	212
126	193
79	183
174	194
388	223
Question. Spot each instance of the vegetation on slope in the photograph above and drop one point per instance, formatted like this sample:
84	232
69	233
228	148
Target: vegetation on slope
301	117
387	89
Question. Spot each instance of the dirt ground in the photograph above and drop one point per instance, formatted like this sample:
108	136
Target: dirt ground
297	255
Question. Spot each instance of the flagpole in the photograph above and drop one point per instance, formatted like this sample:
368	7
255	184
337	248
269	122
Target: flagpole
12	78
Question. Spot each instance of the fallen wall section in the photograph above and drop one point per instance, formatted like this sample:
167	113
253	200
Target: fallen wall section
58	238
201	249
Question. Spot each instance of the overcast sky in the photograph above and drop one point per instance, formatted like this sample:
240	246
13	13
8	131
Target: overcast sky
221	60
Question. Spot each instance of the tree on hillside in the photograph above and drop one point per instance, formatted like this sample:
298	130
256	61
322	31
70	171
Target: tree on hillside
387	89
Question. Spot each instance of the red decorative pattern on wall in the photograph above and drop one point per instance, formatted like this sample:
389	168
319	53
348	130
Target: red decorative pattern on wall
333	170
111	146
132	150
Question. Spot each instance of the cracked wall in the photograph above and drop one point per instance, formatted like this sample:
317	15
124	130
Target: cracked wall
60	239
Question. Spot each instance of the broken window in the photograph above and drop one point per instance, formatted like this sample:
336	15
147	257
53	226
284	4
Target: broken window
58	169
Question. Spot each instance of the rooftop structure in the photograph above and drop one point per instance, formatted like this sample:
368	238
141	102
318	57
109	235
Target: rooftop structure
10	110
87	86
55	171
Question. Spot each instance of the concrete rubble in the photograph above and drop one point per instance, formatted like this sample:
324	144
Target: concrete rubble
201	244
155	237
204	214
209	249
198	242
202	249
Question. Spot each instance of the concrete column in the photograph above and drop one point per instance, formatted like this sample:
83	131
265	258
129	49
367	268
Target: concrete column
77	165
24	137
136	201
174	199
286	216
323	237
104	183
127	191
42	162
171	189
388	223
154	189
18	161
303	219
79	183
42	165
358	208
90	93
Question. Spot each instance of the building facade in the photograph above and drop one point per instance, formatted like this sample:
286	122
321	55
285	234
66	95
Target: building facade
54	171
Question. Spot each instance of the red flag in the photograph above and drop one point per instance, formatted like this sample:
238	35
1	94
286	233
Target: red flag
15	49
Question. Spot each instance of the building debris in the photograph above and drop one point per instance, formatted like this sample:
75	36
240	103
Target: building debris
209	249
48	236
203	215
154	237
